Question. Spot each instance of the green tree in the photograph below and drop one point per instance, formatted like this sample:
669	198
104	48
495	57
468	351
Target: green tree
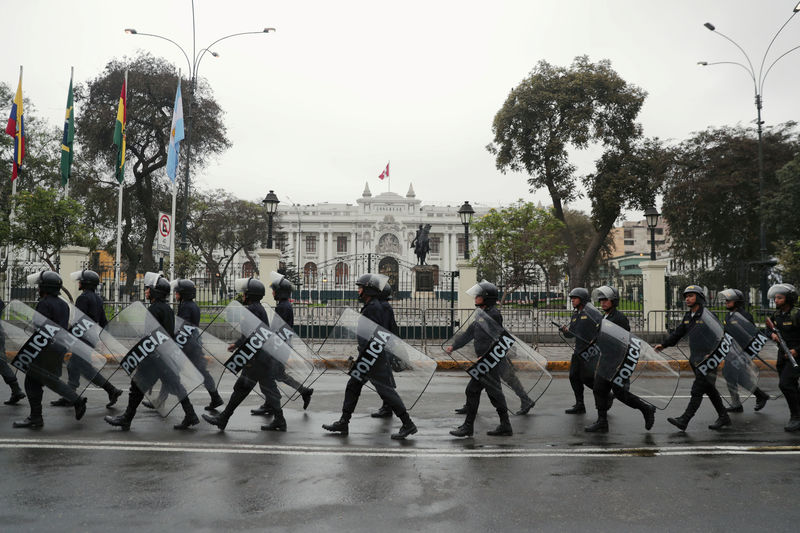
711	201
556	109
151	94
518	245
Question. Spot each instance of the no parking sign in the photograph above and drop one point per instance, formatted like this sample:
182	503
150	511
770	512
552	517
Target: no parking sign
164	231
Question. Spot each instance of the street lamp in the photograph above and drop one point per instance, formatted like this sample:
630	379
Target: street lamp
651	215
465	212
193	64
758	89
271	203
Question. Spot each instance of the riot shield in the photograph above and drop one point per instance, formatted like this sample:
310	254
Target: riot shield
373	348
188	338
150	356
584	328
255	343
752	341
42	348
496	358
712	348
629	362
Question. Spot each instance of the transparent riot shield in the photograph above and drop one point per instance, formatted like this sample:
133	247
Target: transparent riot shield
252	344
712	348
497	358
279	326
584	327
372	349
150	356
629	362
41	348
752	341
188	338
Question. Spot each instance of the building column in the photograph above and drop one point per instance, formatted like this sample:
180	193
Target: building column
268	261
73	258
467	277
653	274
320	247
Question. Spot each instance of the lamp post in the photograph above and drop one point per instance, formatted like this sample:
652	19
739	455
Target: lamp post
651	215
758	88
193	63
465	212
271	203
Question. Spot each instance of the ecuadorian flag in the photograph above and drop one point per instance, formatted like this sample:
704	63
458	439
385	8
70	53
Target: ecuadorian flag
16	128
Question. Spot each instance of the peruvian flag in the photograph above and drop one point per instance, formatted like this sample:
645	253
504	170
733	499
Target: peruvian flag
385	173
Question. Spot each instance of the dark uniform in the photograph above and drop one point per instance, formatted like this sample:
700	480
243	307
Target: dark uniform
189	311
5	369
788	323
581	372
733	376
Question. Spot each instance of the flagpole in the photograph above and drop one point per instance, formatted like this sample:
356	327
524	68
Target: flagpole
11	216
172	234
119	213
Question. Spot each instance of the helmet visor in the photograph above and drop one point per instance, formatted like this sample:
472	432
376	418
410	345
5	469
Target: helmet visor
381	280
173	285
476	290
76	276
33	279
728	295
241	284
602	293
150	279
275	278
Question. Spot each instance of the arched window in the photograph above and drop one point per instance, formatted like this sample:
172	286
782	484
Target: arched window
248	269
310	274
341	273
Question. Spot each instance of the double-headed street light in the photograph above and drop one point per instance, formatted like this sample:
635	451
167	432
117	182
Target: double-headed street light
271	203
193	63
465	212
758	88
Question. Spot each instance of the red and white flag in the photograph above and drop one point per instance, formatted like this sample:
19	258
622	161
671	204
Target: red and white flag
385	173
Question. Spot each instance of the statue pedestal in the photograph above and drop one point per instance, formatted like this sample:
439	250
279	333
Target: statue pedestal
423	279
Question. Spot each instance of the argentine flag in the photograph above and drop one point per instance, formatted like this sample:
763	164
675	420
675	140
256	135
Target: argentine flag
175	136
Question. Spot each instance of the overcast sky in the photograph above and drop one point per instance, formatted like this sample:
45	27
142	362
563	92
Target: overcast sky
317	109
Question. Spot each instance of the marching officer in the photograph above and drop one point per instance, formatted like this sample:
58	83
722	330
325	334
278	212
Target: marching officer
47	369
584	329
695	299
156	290
787	321
91	304
5	369
369	288
389	323
261	370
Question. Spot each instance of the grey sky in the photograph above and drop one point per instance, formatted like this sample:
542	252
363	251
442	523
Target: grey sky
319	107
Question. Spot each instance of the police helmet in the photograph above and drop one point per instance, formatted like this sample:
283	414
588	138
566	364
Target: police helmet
281	286
485	289
252	288
386	293
696	289
184	287
580	292
49	282
373	284
606	292
732	295
158	285
87	279
787	289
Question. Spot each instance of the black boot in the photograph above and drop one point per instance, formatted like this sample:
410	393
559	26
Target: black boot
16	393
61	402
306	395
220	420
649	413
681	422
600	426
461	410
761	399
123	421
189	416
148	404
80	408
341	426
736	402
278	423
216	401
793	425
737	408
408	428
578	409
262	409
527	405
384	412
504	429
30	422
464	430
721	421
113	395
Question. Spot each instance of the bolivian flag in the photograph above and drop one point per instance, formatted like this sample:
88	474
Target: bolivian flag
16	128
119	134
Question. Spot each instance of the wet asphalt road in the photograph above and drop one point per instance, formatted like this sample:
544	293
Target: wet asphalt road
550	476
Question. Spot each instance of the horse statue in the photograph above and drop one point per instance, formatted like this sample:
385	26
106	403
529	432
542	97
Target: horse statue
421	243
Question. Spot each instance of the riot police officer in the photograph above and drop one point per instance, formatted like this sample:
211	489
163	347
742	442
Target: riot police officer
49	362
695	299
261	370
787	320
157	289
734	303
5	369
385	411
188	310
91	304
282	292
604	391
584	329
369	288
486	295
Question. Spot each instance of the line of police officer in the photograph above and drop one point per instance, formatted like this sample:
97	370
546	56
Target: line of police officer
374	293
